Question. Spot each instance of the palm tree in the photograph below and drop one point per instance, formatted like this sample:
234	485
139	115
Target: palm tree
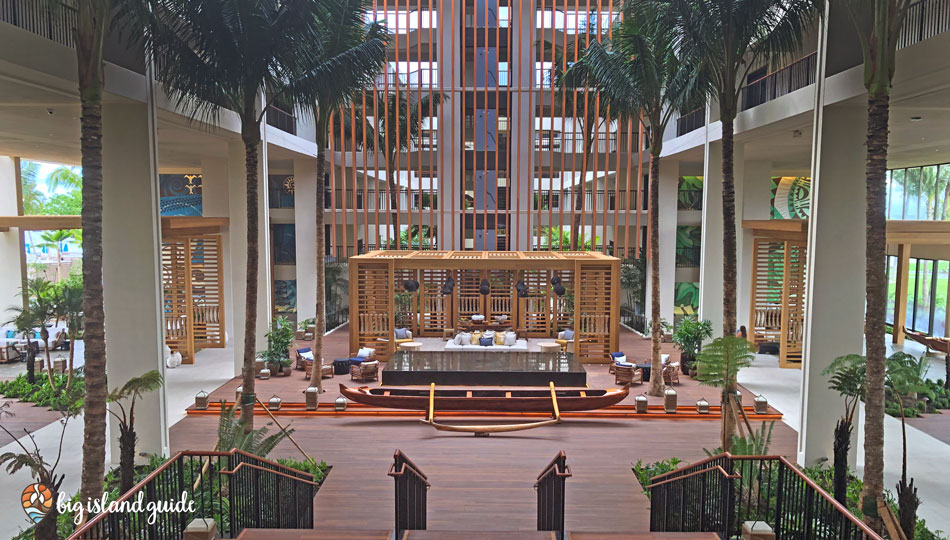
39	311
93	18
904	376
638	70
396	130
878	24
846	376
718	365
730	38
63	177
351	54
55	240
69	310
33	198
220	54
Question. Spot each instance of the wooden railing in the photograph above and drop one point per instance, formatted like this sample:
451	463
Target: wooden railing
786	80
722	492
550	487
411	489
237	489
925	19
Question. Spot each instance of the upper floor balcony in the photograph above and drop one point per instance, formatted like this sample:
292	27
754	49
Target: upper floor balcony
281	120
795	76
691	121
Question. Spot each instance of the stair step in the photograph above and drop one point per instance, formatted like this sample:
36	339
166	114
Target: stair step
313	534
355	534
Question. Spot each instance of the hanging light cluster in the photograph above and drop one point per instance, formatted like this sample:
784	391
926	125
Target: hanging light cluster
522	288
558	286
410	285
484	288
449	285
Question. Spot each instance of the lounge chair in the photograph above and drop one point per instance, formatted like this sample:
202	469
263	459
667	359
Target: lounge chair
326	370
366	371
564	340
628	374
671	373
300	356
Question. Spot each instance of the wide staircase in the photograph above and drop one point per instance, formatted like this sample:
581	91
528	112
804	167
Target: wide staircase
249	498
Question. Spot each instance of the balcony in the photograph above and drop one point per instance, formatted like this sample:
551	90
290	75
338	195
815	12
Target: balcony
39	17
596	201
281	120
794	76
687	257
925	19
379	200
689	199
690	121
573	143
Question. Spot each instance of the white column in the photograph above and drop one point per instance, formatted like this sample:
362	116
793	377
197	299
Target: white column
669	184
132	289
238	238
450	133
522	142
710	261
11	248
835	296
756	193
305	226
216	202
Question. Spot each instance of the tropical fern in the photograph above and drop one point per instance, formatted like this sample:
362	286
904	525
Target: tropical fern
718	364
231	435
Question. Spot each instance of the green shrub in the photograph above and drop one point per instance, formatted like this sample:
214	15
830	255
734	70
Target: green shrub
44	395
646	472
318	470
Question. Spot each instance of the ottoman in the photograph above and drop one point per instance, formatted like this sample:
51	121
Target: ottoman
341	366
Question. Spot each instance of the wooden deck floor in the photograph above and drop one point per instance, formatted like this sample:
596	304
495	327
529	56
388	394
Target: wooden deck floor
25	416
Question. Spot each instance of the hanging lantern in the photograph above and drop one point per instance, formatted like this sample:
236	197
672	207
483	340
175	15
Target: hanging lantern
669	401
264	374
702	406
484	288
559	289
410	285
555	280
521	285
274	403
641	402
340	404
237	394
201	400
761	404
312	395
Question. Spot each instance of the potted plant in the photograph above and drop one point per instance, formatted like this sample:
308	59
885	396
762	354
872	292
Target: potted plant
665	328
277	353
688	337
305	329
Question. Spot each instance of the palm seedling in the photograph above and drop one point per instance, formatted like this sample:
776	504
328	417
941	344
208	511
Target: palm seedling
846	376
131	391
718	365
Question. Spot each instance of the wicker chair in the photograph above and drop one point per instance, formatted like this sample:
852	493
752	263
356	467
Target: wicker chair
326	370
298	347
671	373
366	371
628	375
566	344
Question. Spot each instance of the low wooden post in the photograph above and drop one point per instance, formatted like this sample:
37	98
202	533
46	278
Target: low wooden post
201	529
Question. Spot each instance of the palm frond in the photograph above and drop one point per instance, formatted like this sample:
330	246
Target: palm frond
718	363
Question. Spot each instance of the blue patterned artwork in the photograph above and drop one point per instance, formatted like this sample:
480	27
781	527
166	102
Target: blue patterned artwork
180	194
285	295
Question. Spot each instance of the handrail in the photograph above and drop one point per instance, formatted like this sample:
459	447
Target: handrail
695	473
412	466
553	463
258	467
781	69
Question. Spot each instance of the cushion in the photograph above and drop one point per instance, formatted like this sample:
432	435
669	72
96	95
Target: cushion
401	333
37	335
465	338
623	364
307	355
568	334
475	337
499	338
617	354
11	334
305	350
458	338
619	360
510	339
489	333
371	363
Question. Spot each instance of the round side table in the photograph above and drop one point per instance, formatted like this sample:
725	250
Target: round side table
410	346
549	347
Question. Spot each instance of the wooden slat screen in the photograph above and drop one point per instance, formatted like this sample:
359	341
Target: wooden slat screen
593	306
178	334
374	303
207	294
777	310
535	309
499	302
436	310
468	300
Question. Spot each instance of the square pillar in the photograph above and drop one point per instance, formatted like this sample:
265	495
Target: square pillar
835	291
710	258
450	132
669	185
756	194
12	256
305	225
131	265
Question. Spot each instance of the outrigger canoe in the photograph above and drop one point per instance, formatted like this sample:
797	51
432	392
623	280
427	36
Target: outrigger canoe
520	400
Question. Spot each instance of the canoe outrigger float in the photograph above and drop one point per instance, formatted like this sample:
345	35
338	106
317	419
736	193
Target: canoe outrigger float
549	400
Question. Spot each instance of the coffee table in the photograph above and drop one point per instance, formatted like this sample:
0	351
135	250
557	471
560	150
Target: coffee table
549	347
410	346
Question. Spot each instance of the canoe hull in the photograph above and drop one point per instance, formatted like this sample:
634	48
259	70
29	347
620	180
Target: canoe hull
419	401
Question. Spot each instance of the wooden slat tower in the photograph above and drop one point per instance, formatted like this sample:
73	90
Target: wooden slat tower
193	294
591	300
777	303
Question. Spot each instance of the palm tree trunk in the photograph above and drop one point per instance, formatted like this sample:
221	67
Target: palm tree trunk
44	335
251	141
876	293
728	230
842	445
320	325
72	355
656	331
94	404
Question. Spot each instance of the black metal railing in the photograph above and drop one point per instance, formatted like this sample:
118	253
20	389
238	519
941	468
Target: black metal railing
55	23
687	257
691	121
634	318
600	199
411	489
237	489
794	76
723	492
689	199
551	495
925	19
337	316
281	120
380	199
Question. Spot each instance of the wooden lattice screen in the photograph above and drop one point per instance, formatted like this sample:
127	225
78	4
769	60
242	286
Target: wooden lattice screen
436	308
777	311
467	298
371	293
534	310
593	306
499	301
193	294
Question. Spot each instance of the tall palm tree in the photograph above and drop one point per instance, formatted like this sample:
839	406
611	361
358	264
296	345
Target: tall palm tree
639	70
219	54
730	38
93	17
55	240
63	177
400	115
878	25
351	54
